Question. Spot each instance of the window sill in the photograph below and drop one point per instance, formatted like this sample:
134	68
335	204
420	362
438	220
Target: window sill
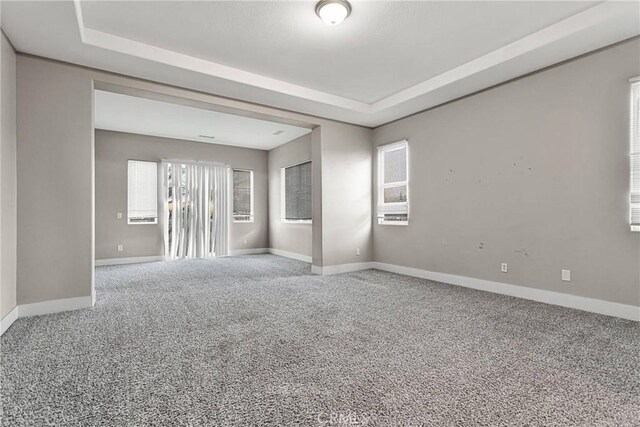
393	222
238	221
294	221
142	223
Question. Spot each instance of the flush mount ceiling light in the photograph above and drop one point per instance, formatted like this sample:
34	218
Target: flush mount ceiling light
333	12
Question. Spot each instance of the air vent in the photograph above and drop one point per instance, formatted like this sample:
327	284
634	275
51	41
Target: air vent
278	132
207	136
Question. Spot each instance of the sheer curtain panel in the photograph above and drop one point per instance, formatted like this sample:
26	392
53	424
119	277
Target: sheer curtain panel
197	210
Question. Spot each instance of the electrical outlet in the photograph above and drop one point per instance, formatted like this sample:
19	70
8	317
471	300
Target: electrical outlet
120	248
503	267
119	215
566	275
358	252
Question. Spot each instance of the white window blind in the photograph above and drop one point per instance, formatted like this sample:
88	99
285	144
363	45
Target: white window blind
296	189
393	184
142	192
242	195
635	155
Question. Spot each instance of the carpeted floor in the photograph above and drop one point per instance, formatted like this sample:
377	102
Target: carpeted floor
258	340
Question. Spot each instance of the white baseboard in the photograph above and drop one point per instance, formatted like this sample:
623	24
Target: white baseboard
8	320
131	260
592	305
252	251
54	306
44	307
341	268
555	298
292	255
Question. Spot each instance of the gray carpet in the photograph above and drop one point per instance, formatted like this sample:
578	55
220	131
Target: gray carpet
257	340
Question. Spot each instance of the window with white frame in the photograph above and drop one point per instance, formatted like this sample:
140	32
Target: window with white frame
296	193
142	192
634	135
393	184
242	195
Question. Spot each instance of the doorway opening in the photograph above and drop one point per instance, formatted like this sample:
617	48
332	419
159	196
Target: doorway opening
178	178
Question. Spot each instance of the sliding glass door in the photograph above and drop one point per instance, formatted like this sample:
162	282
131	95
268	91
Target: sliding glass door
197	210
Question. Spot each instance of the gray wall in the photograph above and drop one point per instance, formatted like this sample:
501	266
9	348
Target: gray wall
316	170
569	124
55	175
8	178
346	195
55	181
113	149
290	237
534	173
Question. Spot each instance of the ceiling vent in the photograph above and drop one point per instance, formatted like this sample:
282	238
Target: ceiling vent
278	132
207	136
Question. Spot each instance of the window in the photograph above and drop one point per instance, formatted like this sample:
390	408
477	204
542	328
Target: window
635	155
296	191
142	192
242	195
393	184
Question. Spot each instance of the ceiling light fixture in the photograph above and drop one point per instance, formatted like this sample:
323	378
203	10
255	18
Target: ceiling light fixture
333	12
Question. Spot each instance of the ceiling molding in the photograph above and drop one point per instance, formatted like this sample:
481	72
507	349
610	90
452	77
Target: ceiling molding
596	15
60	32
537	40
79	18
127	46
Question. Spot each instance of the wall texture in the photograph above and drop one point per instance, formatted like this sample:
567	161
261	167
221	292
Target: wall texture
290	237
316	227
113	149
8	188
55	181
346	195
534	173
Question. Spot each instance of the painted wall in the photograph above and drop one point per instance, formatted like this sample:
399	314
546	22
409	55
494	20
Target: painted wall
316	171
346	195
289	237
55	172
8	187
569	124
534	173
113	149
55	181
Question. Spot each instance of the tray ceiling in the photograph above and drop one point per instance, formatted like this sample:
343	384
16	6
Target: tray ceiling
387	60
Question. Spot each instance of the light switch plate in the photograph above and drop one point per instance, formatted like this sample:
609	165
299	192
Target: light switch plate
120	248
119	215
566	275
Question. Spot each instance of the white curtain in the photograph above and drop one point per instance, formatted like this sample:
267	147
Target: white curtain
197	212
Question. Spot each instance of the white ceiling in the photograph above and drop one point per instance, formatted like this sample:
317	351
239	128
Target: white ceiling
124	113
366	59
387	60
